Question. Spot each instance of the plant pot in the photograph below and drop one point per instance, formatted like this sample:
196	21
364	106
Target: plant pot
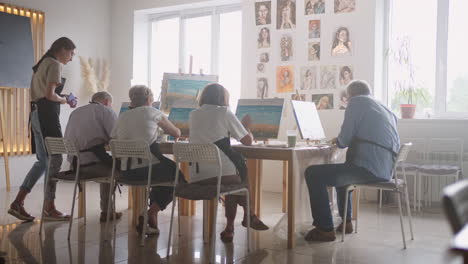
407	110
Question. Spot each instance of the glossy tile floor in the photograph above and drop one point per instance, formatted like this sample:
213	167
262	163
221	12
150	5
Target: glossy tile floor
378	240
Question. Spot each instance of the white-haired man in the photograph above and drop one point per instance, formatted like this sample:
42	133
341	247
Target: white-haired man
369	131
90	127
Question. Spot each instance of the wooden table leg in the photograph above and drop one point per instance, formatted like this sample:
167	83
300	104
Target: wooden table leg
259	187
187	207
82	201
208	217
130	198
138	199
285	185
252	174
291	205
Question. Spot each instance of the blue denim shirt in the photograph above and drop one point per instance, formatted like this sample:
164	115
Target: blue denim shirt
368	119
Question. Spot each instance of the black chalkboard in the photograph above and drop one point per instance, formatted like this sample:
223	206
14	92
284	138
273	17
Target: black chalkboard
16	51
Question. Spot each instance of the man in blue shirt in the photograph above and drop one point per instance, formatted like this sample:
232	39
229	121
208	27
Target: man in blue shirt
369	131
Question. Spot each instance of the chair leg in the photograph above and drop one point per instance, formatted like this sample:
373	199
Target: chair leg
145	218
358	194
213	233
380	198
345	213
84	202
109	201
174	201
72	209
408	208
248	221
401	220
179	209
415	179
419	180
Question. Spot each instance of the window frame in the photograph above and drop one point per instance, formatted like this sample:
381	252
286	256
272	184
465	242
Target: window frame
442	33
215	13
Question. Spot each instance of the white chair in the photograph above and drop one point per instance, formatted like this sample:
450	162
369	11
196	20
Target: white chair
416	158
60	146
206	153
126	149
395	185
443	160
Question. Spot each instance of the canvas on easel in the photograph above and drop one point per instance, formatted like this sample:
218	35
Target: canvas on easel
179	116
308	120
265	114
183	88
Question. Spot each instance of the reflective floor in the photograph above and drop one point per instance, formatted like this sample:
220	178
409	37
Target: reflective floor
378	240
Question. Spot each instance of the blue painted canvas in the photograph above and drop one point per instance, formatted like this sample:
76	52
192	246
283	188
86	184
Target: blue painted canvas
266	118
180	118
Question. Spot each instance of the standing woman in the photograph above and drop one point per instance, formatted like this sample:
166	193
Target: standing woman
46	85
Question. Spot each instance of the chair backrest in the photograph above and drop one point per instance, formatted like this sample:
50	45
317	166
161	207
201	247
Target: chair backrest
418	151
56	145
130	149
455	203
401	157
189	152
445	151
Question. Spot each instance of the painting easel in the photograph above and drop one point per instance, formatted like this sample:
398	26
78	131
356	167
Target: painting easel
3	141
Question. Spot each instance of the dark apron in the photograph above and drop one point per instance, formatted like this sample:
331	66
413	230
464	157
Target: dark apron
49	114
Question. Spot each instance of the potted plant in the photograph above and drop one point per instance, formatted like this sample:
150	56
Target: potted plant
407	93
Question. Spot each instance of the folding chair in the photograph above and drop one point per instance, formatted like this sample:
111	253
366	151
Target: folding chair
205	153
395	185
122	149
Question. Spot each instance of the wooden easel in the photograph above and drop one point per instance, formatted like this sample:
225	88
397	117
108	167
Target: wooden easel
3	141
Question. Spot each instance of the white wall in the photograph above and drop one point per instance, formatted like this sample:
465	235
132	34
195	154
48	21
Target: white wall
87	23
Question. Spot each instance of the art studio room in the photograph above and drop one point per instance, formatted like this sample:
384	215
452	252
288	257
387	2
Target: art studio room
233	131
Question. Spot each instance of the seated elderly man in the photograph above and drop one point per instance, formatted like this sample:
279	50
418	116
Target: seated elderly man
141	122
369	131
90	127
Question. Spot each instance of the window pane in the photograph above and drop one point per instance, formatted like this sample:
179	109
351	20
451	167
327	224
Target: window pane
457	69
164	51
412	57
229	59
198	44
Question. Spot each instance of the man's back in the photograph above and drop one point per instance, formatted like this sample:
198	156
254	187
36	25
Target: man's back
369	120
90	125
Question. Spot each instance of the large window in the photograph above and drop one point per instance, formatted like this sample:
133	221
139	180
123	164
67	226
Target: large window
208	39
427	53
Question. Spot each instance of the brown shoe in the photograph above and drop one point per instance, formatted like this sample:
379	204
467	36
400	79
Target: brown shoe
227	236
55	215
319	235
255	223
17	210
348	228
103	217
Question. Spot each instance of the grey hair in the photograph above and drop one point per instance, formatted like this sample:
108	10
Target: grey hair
101	96
139	95
358	87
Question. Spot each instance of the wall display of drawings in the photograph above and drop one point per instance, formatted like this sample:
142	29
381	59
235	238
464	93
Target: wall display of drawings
285	79
314	7
309	78
263	13
286	14
344	6
308	120
325	69
328	77
341	42
182	89
179	116
323	101
265	114
126	106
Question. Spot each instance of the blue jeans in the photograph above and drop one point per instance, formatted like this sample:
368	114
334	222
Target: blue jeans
319	177
40	166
